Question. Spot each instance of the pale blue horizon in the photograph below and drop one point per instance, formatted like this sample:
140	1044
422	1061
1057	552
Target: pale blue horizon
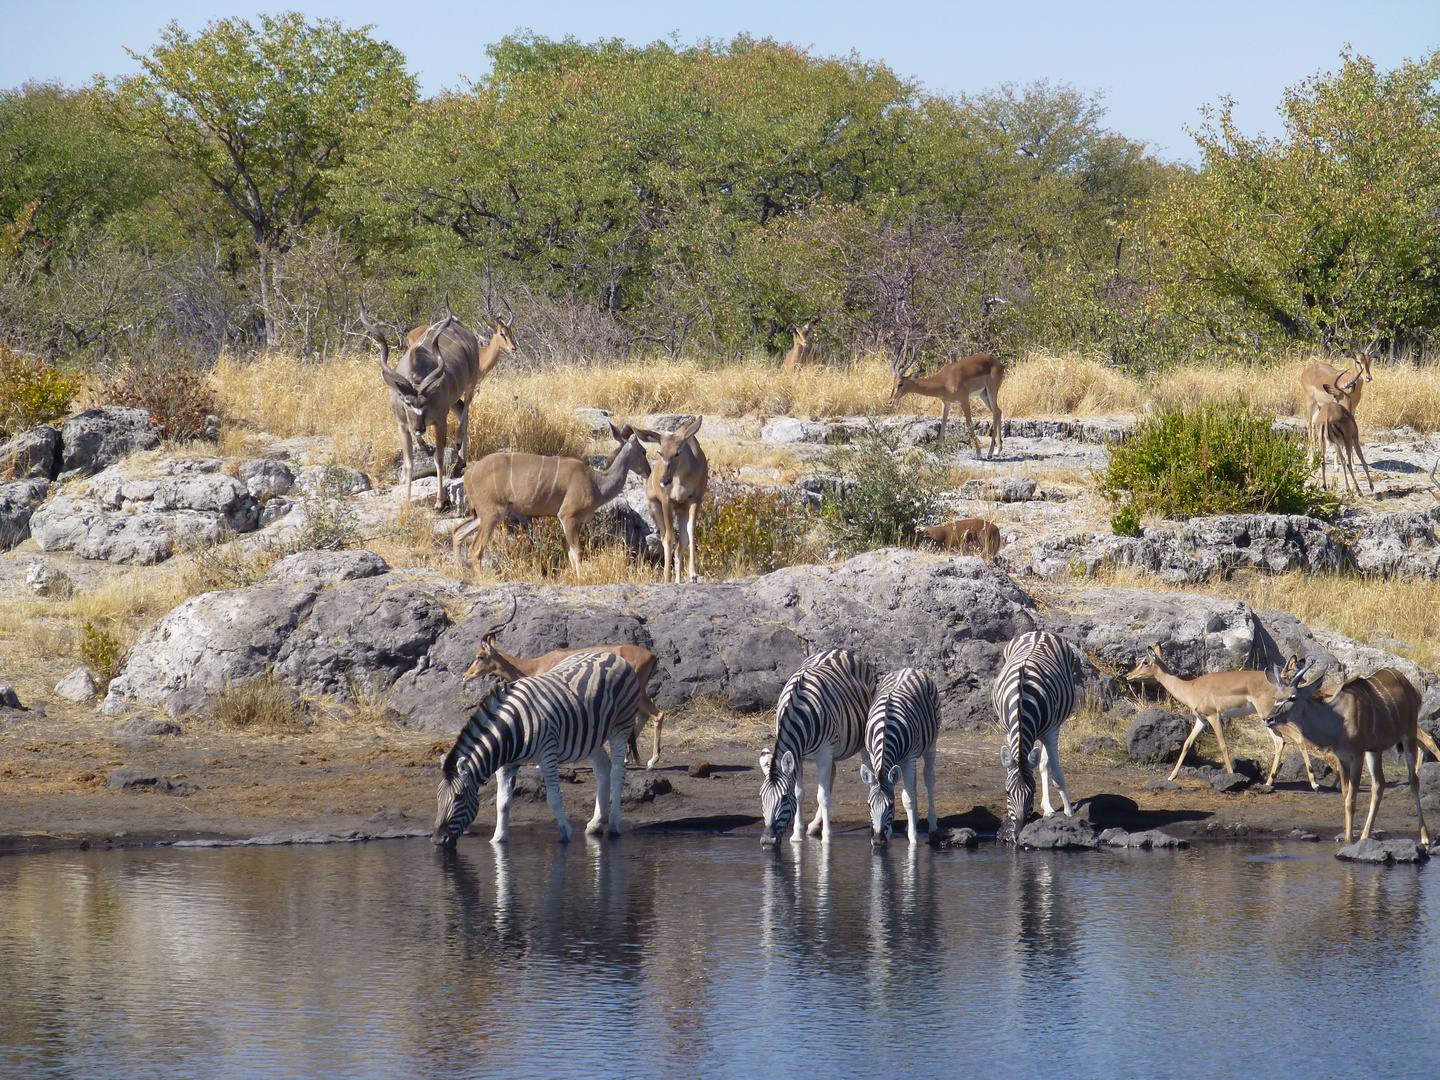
1156	65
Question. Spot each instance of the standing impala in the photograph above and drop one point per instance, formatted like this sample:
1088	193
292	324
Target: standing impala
1337	428
1208	697
801	351
1315	377
979	375
675	489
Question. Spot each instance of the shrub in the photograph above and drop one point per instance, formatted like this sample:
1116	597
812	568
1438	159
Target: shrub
744	530
32	391
225	565
1211	459
330	523
171	387
102	651
263	704
881	493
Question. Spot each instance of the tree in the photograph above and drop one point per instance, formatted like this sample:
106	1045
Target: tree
1331	233
264	117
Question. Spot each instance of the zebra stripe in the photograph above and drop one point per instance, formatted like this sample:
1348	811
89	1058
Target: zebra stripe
903	724
568	713
821	716
1034	694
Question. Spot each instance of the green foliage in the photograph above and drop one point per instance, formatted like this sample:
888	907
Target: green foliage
882	493
330	522
32	391
1225	459
102	651
171	387
743	530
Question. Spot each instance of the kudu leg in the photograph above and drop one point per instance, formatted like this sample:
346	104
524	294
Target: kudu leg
442	497
462	450
571	528
1377	788
692	512
1412	756
407	451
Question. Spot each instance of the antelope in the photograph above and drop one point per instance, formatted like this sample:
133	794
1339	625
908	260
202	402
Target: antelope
536	486
965	532
1208	697
439	371
1365	717
801	352
677	488
502	665
979	375
1314	378
1337	428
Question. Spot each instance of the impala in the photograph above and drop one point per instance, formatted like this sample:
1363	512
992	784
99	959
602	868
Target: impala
801	352
1364	718
1337	428
1209	697
490	660
1314	378
536	486
675	489
979	375
963	533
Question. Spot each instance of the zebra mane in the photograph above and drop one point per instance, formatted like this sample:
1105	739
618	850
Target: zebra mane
450	766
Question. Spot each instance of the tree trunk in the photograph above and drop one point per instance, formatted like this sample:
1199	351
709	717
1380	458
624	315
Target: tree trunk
263	253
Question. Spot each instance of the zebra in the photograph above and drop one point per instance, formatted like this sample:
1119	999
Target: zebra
1034	694
821	716
904	723
568	713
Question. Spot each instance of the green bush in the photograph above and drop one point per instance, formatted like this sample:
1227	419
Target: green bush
32	391
102	651
1212	459
330	522
748	530
881	493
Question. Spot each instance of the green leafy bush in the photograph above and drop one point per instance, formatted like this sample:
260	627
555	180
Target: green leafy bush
330	522
748	530
1212	459
32	391
171	386
881	493
102	651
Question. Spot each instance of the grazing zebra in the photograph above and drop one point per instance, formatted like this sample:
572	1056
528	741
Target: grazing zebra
821	716
570	712
1034	694
904	723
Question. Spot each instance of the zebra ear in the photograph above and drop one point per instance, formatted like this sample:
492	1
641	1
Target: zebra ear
1035	757
866	776
787	763
1007	759
766	756
894	774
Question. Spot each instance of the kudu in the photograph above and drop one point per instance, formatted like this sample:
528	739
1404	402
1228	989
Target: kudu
1337	428
1314	379
490	660
441	367
964	533
801	352
675	489
979	375
535	486
1364	718
1210	697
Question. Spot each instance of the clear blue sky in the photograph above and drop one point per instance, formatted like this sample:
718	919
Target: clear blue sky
1156	62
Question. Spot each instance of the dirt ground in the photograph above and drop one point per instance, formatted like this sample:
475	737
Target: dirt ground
377	780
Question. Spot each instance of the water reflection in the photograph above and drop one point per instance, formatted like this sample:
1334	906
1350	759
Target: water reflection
688	955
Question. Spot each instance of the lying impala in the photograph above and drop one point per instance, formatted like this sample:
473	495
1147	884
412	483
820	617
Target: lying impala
801	351
1314	378
966	532
441	367
536	486
979	375
1337	428
502	665
1209	697
1363	719
675	489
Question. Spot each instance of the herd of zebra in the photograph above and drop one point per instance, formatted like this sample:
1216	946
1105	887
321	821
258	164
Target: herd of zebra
835	706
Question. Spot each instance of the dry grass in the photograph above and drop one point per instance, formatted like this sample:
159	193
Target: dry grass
262	704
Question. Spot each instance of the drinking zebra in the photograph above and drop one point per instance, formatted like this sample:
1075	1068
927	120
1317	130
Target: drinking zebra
904	723
820	716
1034	694
570	712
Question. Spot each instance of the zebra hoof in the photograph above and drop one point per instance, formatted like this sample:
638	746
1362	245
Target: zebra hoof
612	830
595	828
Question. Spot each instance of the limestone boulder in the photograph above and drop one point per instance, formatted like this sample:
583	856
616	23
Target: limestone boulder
32	455
18	500
98	438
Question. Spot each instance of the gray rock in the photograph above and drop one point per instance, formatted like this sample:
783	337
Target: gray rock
955	838
78	686
194	484
1060	833
1006	489
326	567
146	727
1150	839
1162	784
1262	789
1371	850
1247	767
1429	772
266	479
1301	834
644	790
1292	768
8	698
86	528
273	510
1106	808
1099	744
1156	736
32	455
334	479
130	778
597	420
787	429
98	438
1230	781
18	501
45	580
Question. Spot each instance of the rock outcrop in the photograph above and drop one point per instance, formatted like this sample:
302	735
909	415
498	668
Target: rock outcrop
98	438
18	500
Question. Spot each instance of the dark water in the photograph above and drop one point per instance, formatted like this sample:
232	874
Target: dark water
700	956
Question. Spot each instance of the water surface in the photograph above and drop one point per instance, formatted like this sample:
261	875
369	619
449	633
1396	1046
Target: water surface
687	956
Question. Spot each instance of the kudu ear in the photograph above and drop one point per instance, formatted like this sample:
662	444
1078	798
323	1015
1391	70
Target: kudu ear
689	430
646	435
396	381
